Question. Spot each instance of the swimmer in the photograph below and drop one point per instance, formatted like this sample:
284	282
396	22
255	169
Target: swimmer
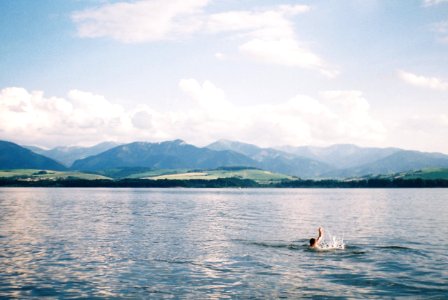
314	243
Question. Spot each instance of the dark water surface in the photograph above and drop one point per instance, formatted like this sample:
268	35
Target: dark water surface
222	243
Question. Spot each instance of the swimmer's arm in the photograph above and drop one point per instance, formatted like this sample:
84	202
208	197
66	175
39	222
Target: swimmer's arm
321	233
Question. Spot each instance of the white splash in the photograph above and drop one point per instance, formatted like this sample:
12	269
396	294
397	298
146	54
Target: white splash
331	243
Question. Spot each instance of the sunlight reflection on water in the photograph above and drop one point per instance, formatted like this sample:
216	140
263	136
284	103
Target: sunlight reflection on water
221	243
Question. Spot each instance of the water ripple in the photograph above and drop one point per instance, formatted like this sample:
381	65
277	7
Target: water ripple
196	244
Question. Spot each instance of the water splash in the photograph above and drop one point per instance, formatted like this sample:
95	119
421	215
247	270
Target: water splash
331	243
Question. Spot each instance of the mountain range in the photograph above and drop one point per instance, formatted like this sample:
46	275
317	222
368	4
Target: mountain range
13	156
68	155
275	160
337	161
165	155
341	156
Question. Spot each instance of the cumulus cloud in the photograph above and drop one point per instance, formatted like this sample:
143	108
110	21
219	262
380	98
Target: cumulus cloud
355	116
32	117
206	95
82	117
267	36
142	119
333	117
433	83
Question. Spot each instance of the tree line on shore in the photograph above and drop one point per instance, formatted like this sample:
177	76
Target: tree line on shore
231	182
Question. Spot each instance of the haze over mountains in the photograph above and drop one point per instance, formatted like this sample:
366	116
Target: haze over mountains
337	161
341	156
275	160
13	156
68	155
166	155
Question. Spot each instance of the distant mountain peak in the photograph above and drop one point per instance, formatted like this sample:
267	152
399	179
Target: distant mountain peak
13	156
164	155
68	154
335	161
176	142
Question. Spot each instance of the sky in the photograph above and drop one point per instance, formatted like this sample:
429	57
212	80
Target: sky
368	72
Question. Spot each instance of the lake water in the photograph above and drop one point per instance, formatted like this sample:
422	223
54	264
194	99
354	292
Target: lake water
222	243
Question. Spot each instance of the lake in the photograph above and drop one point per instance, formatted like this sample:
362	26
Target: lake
222	243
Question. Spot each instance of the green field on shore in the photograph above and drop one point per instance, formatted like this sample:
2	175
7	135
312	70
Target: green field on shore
260	176
32	174
257	175
436	173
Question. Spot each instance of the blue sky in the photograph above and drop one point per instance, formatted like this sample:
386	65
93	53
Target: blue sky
368	72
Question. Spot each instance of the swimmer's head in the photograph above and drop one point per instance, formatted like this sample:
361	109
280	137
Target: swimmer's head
312	242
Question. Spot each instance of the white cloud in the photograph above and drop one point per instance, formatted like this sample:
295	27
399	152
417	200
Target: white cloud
206	96
428	123
427	3
145	20
85	118
336	116
356	120
220	56
424	82
286	52
268	35
274	20
33	118
422	132
142	120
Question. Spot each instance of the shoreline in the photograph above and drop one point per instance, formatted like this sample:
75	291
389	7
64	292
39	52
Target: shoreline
231	182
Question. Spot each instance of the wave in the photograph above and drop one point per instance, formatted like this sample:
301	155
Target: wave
403	249
332	244
273	244
395	247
